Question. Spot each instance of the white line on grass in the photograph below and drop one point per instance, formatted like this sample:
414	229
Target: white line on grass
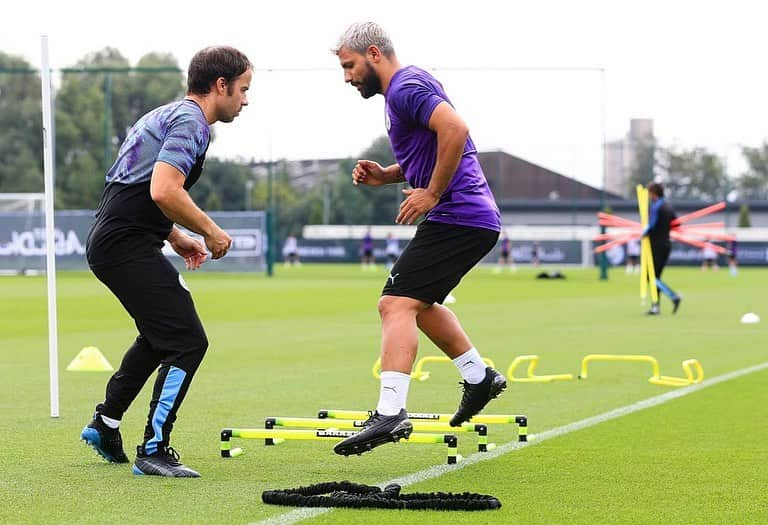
438	470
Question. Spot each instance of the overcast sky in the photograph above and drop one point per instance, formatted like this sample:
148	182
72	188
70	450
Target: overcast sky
526	76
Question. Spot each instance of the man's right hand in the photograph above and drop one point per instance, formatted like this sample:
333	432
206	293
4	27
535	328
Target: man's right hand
218	242
369	173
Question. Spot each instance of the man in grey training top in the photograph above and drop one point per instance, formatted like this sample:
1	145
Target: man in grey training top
145	194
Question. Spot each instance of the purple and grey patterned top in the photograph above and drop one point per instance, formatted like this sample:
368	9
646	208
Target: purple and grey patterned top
412	96
128	223
176	134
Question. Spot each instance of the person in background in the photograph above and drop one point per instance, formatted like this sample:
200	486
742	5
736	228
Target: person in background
536	254
709	258
392	250
505	254
733	261
291	251
633	256
367	258
660	219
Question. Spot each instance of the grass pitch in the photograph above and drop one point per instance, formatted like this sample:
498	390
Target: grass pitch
307	339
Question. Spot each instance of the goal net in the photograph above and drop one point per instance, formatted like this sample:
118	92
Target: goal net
22	233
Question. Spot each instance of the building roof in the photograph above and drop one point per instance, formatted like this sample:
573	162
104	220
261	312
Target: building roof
513	178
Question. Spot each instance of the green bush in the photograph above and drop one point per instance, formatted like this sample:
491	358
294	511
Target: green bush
744	220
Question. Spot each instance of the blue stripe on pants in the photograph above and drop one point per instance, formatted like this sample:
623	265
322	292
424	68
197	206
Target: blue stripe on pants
665	289
171	387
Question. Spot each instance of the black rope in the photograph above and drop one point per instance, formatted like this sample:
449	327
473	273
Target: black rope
354	495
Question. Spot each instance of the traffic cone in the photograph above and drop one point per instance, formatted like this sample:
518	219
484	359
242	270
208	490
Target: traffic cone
90	359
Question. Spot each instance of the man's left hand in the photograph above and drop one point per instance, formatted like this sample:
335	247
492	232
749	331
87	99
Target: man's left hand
193	251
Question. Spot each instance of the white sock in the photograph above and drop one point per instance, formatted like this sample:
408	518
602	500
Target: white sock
393	392
471	366
111	423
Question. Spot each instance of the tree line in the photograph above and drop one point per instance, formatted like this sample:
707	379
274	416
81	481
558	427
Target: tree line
699	174
94	110
97	101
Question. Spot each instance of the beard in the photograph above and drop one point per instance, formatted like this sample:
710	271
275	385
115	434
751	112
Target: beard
227	117
371	84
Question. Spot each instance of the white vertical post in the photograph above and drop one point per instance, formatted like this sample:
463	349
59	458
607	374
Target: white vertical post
50	242
587	255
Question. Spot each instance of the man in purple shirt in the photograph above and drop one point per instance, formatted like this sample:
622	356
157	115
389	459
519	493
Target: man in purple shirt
436	156
367	258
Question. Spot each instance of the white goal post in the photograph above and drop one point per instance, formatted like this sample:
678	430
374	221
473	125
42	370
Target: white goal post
21	220
22	202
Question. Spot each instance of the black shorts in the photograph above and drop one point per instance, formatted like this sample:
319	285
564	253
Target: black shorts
436	259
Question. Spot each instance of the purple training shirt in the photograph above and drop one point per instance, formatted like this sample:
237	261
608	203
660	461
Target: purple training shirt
412	96
367	242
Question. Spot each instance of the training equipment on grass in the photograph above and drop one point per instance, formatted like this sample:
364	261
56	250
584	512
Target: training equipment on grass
341	424
418	372
274	436
689	379
356	424
647	270
531	377
486	419
655	378
352	495
686	233
697	235
750	318
89	359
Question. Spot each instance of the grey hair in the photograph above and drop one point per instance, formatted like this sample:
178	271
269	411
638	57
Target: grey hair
361	35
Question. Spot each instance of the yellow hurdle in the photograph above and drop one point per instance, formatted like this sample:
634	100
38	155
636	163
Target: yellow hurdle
689	379
273	436
656	377
487	419
531	376
356	424
321	435
418	372
626	358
